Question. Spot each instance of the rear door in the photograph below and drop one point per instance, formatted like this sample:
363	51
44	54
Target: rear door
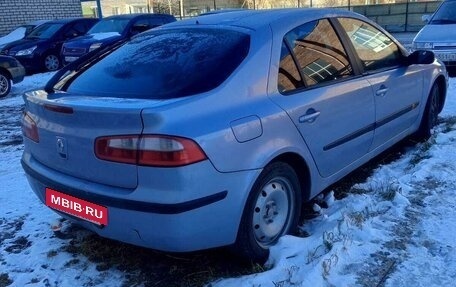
332	108
398	89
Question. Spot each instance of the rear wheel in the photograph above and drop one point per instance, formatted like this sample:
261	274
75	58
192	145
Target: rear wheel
430	115
5	84
51	62
272	210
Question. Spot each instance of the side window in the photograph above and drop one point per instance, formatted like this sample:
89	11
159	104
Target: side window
375	49
75	30
289	77
319	53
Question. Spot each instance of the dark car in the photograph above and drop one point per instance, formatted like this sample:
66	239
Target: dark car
10	71
40	50
111	30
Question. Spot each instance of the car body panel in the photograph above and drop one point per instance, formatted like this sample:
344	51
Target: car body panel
398	107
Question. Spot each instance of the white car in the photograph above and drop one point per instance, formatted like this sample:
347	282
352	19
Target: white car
439	34
20	32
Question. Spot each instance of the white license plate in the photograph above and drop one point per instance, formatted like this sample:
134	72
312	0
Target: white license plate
71	59
446	57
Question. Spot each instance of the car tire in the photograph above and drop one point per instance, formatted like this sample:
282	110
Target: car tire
51	62
5	84
272	210
431	112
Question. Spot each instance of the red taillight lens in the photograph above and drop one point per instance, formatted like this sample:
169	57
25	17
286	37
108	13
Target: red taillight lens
149	150
119	149
29	128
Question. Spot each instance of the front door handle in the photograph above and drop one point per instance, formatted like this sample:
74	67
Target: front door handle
382	91
310	116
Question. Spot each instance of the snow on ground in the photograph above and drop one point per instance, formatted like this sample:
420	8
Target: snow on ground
395	229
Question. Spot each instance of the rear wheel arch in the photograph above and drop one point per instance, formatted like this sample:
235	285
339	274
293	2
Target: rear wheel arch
302	170
285	176
6	73
5	82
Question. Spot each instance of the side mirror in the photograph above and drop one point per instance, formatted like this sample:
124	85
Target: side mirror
425	18
421	57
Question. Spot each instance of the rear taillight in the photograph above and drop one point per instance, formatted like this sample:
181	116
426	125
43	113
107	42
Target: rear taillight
29	128
149	150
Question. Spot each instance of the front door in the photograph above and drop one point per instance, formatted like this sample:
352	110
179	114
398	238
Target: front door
397	88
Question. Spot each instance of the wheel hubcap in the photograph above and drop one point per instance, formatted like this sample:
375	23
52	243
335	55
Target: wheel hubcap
3	84
272	211
51	62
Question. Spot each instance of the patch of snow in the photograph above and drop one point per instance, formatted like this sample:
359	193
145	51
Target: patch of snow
14	35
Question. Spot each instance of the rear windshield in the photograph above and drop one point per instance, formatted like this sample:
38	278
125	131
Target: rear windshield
165	64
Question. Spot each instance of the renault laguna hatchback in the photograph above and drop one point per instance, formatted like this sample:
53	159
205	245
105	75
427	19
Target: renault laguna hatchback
213	131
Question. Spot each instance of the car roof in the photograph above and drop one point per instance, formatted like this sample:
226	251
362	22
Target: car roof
254	19
68	20
131	16
37	22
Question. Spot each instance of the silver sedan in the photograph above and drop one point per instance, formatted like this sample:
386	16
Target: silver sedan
213	131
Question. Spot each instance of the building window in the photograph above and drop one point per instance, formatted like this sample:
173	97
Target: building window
131	9
115	10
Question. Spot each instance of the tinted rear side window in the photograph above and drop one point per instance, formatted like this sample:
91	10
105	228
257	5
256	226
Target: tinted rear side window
165	64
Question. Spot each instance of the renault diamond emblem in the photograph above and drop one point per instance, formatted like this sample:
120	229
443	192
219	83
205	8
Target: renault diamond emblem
62	147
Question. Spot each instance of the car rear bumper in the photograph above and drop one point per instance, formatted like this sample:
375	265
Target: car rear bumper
177	225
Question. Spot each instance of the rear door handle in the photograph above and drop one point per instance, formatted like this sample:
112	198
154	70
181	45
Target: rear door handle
382	91
310	116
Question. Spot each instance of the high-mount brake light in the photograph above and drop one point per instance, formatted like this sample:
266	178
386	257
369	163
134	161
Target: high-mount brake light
29	128
149	150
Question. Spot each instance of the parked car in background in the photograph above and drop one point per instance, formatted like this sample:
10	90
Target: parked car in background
214	130
111	30
11	71
20	32
40	50
439	34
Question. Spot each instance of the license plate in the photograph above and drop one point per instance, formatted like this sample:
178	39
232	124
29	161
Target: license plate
77	207
446	57
71	59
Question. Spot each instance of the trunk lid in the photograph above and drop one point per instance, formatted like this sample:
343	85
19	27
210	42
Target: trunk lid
68	126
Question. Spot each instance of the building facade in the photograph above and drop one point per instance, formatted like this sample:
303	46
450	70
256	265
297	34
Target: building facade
189	7
18	12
